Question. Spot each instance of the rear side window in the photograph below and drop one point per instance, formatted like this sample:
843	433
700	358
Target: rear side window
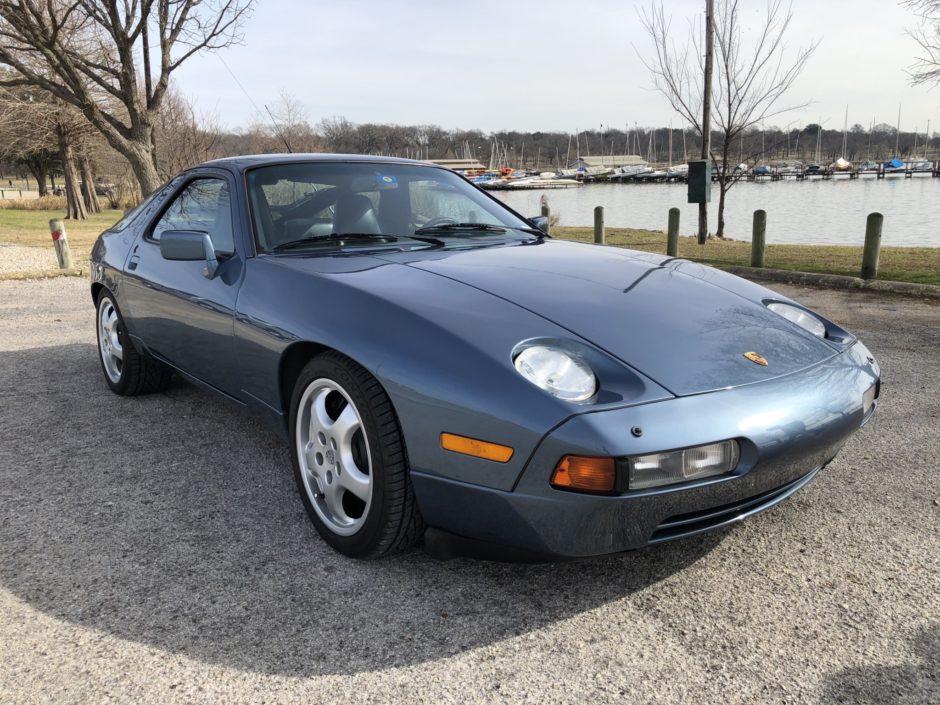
204	206
145	206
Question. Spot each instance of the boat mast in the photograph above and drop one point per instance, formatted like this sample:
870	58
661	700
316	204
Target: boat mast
845	128
670	145
897	132
818	139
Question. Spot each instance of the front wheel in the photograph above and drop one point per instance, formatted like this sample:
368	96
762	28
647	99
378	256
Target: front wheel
349	460
126	371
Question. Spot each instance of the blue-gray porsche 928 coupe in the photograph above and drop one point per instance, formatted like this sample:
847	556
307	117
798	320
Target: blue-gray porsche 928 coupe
443	369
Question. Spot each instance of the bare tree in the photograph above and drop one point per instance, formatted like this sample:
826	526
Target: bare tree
926	66
752	75
27	133
82	50
41	132
290	127
183	138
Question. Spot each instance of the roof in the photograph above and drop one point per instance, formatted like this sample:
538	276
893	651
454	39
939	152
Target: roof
247	161
613	160
459	163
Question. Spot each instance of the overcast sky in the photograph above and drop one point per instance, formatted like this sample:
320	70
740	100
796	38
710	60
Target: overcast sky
533	64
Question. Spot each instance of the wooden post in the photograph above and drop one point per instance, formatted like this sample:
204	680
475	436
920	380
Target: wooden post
758	234
672	234
547	213
872	245
599	235
61	242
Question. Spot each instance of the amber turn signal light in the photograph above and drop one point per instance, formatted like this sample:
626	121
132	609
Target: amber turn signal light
476	448
575	472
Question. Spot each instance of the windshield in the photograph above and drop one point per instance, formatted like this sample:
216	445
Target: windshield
296	206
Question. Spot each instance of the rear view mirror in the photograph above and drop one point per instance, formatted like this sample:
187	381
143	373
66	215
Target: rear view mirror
189	246
540	222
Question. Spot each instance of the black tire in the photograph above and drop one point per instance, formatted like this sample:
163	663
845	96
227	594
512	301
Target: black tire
137	374
391	522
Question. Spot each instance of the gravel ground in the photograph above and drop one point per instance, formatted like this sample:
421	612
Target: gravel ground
154	550
17	258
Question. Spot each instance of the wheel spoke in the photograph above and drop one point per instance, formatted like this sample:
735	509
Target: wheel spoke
345	427
333	496
352	479
319	418
116	349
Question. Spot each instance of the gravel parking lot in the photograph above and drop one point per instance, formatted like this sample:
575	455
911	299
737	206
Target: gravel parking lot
155	550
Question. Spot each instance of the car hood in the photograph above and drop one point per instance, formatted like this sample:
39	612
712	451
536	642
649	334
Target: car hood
674	326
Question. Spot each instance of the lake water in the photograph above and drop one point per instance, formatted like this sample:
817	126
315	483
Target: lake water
809	212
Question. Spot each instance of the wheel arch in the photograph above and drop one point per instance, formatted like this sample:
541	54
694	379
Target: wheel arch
96	289
292	362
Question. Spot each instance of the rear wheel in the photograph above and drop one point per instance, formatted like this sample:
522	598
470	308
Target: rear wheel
349	460
126	371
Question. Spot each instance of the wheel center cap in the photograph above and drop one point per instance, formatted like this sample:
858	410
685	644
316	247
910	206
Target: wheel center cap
330	457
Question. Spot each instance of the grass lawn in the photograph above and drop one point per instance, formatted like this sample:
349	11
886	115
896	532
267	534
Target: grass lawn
31	228
906	264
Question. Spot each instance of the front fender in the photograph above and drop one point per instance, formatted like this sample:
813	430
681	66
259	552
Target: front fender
441	349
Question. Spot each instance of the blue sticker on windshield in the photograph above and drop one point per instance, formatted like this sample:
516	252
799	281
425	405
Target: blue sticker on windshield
386	180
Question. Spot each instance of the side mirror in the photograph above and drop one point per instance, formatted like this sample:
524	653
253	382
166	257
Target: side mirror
540	222
189	246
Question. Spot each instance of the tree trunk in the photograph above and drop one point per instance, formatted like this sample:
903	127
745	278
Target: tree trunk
722	190
141	161
92	204
724	183
40	175
73	196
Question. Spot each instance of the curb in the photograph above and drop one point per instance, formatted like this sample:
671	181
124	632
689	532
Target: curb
837	281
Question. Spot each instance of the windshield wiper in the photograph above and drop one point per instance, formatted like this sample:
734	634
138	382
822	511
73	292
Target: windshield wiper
430	240
461	226
292	244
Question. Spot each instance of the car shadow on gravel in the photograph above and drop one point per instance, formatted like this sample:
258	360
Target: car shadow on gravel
915	682
172	521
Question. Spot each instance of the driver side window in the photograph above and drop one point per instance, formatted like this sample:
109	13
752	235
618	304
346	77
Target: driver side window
205	206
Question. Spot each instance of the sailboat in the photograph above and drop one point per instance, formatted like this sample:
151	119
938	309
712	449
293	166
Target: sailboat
843	164
895	165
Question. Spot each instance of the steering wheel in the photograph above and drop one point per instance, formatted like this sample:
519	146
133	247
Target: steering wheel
439	220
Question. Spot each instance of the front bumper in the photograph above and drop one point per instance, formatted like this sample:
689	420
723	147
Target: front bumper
788	428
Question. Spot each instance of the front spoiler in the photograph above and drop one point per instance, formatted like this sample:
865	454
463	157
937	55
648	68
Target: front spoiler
445	546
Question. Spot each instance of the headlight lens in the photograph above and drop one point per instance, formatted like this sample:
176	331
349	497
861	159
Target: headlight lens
802	318
660	469
557	372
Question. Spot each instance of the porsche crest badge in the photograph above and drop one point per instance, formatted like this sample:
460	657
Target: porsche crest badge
756	359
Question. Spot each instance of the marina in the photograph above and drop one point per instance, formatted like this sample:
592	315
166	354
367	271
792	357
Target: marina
815	210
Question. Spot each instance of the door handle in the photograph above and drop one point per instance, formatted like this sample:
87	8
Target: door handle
132	264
